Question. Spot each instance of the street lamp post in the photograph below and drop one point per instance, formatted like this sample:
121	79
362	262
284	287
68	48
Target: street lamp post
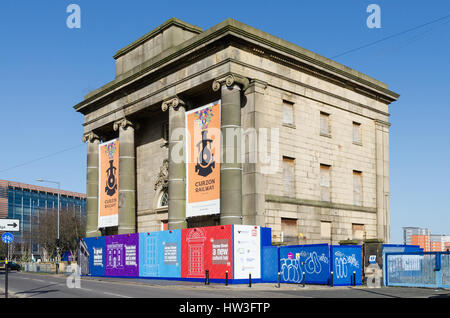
59	204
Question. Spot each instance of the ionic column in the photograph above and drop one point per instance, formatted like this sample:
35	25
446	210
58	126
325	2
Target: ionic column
93	142
177	164
230	165
127	177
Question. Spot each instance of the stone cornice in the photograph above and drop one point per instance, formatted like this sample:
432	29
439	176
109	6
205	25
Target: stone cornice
253	37
319	204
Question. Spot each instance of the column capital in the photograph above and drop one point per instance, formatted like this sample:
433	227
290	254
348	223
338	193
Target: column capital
90	136
173	102
230	80
122	123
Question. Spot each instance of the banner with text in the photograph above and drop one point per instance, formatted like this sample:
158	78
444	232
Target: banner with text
122	255
203	160
160	254
247	251
207	248
108	203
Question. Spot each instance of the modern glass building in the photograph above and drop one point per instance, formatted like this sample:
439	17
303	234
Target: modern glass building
27	203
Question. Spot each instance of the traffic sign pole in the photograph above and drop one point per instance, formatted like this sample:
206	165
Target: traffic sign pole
7	238
6	270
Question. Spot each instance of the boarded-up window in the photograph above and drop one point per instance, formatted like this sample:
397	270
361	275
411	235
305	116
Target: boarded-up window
356	132
358	231
289	229
325	183
324	124
325	229
288	113
288	177
357	188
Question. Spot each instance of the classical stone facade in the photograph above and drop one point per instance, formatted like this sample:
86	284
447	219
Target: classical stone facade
325	173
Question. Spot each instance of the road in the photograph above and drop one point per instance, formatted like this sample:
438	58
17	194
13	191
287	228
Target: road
34	285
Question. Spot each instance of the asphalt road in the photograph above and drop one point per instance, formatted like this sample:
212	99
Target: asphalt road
34	285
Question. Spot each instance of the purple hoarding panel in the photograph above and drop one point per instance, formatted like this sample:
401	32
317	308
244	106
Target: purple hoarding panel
121	255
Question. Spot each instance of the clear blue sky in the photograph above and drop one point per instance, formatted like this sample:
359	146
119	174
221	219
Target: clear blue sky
47	68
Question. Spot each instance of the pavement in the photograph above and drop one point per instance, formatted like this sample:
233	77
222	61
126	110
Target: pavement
42	285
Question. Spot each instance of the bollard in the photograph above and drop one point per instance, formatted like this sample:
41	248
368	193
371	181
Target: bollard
331	281
226	278
207	278
250	280
303	279
279	279
354	278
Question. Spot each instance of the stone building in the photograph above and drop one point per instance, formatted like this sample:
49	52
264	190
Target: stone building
326	126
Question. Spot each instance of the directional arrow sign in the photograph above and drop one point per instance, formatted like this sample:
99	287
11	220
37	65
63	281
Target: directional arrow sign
12	225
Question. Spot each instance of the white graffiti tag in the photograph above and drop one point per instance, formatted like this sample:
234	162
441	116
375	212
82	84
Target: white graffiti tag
292	269
313	264
342	262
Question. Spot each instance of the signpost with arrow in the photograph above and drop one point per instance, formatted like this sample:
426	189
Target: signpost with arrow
11	225
7	238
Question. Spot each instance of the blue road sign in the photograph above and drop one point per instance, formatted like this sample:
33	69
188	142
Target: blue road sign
7	237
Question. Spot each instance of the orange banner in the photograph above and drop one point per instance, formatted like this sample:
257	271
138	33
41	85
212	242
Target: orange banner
108	210
203	160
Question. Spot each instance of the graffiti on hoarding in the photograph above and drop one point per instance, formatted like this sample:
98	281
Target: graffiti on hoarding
292	269
342	263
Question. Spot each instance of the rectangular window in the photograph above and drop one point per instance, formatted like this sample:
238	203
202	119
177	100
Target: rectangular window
358	231
356	133
289	229
325	183
324	124
325	230
288	177
288	113
357	188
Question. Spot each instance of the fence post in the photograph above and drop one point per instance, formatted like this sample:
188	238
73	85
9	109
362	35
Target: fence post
331	280
303	279
279	279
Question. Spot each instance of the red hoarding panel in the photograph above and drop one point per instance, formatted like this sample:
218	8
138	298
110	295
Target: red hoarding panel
207	248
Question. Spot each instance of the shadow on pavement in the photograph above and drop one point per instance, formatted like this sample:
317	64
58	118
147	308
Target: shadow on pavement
38	290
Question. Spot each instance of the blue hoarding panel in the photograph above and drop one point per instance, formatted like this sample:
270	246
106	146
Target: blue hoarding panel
160	254
270	263
96	250
346	259
266	236
313	260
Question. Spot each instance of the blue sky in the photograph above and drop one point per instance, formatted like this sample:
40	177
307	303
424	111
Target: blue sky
47	68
